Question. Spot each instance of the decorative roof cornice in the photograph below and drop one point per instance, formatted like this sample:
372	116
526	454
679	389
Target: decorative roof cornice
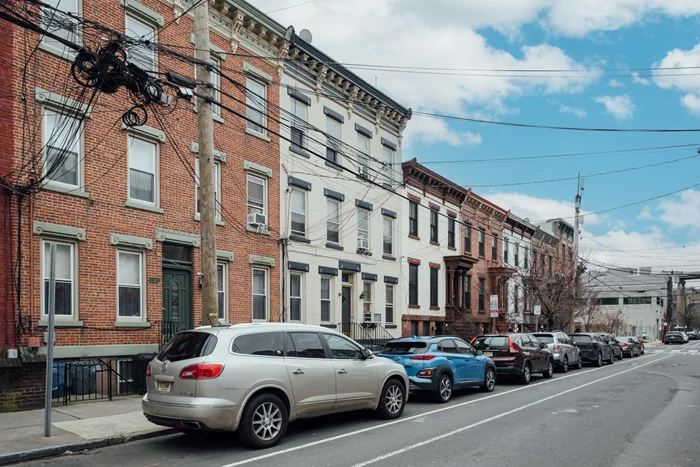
485	206
416	175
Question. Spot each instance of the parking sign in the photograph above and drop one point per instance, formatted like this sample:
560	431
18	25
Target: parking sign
494	306
537	310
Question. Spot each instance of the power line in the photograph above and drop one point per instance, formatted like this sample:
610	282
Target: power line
289	7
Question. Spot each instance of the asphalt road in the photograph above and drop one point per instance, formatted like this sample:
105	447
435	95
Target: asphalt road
635	413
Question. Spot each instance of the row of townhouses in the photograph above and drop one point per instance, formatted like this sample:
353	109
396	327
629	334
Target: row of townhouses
322	225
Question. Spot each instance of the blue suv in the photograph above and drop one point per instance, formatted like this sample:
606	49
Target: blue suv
441	364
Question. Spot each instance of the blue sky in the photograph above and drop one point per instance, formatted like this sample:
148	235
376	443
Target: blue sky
598	37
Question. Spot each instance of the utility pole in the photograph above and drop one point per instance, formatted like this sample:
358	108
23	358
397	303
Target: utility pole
577	203
207	197
49	345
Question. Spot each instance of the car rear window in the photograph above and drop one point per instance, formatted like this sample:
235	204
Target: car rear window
187	345
405	348
490	342
547	339
582	338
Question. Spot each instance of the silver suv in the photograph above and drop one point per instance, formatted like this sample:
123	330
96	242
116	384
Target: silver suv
254	378
563	349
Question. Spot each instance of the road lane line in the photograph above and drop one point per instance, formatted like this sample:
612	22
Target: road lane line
423	414
501	415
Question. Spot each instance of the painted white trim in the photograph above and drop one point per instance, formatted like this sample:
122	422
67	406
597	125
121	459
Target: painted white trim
142	286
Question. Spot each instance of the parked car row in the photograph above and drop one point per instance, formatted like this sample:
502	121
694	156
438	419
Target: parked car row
676	337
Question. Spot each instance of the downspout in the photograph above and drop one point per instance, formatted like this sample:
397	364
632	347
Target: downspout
31	256
283	312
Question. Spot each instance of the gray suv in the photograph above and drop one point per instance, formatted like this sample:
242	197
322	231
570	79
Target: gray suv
564	351
254	378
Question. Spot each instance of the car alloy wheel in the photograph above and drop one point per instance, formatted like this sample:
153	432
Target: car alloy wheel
267	421
527	374
550	370
565	367
393	399
263	422
579	363
489	380
599	362
445	388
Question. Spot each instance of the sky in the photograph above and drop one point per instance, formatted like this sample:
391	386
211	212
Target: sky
609	52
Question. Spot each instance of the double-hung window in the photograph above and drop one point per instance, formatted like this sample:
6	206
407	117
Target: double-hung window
60	24
526	260
516	254
468	292
506	247
367	302
467	238
482	293
413	218
333	221
482	240
260	294
388	244
64	303
413	284
363	229
130	276
388	165
257	198
217	188
326	299
451	232
433	225
516	299
362	155
141	55
433	287
63	149
299	111
222	292
298	211
332	140
143	160
389	303
494	247
256	106
215	80
296	282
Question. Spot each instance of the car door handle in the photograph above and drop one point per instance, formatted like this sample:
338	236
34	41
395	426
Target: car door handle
298	371
342	372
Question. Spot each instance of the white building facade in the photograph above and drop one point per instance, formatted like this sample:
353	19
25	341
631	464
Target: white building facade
517	254
340	157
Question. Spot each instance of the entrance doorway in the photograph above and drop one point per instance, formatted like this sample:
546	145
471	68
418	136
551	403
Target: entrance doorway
346	303
177	290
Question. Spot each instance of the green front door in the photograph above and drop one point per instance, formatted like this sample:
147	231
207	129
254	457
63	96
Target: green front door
177	301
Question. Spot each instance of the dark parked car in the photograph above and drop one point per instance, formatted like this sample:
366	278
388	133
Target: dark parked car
693	335
631	346
516	354
617	348
674	337
593	348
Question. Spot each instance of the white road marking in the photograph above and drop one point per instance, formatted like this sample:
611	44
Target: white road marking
414	417
676	351
496	417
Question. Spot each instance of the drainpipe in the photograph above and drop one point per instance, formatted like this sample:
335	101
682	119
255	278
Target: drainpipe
283	309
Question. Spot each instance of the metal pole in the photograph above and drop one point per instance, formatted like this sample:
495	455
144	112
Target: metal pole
577	203
207	183
49	349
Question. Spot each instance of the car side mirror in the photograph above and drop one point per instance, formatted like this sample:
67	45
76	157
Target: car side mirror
366	353
479	352
543	345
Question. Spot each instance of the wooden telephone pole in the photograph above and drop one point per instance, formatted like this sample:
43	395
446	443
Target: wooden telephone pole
207	197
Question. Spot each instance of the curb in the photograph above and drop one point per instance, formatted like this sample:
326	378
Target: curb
52	451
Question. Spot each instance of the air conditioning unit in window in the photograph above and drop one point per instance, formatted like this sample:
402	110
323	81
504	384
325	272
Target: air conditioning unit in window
373	318
363	244
255	218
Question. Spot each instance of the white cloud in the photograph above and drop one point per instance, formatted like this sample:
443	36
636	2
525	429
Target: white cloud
568	109
683	211
537	209
636	79
692	103
678	58
613	83
434	131
621	107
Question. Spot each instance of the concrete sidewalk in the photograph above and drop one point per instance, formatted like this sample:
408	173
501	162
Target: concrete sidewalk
75	427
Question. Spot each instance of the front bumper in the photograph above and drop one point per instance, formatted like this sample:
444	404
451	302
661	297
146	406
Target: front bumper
191	416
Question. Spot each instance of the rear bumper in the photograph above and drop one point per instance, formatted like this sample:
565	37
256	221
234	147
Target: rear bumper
589	356
200	416
509	370
421	384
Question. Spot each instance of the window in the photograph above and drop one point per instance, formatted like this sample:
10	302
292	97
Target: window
256	109
426	328
534	260
363	229
571	254
542	259
298	209
451	232
341	348
636	301
222	292
62	149
60	24
413	218
388	165
550	264
326	300
482	292
482	236
267	344
414	328
142	171
367	300
260	291
516	299
506	247
494	248
389	303
332	140
363	155
130	286
141	55
516	255
298	110
295	297
257	195
468	238
188	345
305	345
433	225
215	79
65	278
217	188
526	304
413	284
333	221
468	292
447	346
388	244
433	287
463	347
526	259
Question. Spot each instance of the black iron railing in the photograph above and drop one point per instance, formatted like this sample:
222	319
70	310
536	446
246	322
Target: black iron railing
371	335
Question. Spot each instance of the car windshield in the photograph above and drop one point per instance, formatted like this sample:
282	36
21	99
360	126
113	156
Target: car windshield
546	338
581	338
187	345
404	348
490	342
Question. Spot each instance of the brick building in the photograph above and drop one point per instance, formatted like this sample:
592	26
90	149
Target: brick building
124	217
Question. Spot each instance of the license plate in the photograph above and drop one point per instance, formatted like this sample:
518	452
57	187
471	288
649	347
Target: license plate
164	386
488	354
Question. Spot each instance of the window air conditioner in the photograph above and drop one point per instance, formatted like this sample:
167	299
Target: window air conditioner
363	244
255	218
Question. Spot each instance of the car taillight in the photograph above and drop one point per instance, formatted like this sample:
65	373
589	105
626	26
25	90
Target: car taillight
148	369
625	344
423	357
557	346
512	347
202	371
594	344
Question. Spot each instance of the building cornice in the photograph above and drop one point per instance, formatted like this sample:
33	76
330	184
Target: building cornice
427	181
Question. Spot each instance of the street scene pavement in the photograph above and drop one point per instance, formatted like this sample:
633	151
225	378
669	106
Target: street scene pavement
642	411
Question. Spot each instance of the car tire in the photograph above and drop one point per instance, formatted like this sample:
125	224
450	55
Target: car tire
620	358
565	365
264	421
579	363
612	358
392	400
549	372
526	377
489	380
599	361
443	393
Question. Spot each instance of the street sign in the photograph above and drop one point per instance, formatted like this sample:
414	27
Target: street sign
494	306
537	310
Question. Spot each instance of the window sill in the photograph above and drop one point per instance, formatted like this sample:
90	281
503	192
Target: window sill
252	229
257	135
198	218
330	326
216	117
452	248
363	252
391	326
334	246
414	237
65	189
299	238
389	257
433	242
132	324
144	207
60	323
335	166
414	307
299	150
434	308
64	54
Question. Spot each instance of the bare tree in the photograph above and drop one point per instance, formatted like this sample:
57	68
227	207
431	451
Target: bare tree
689	314
612	322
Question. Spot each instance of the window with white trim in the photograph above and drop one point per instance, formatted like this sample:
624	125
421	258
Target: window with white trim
367	300
222	292
217	188
256	107
65	289
60	24
298	110
362	155
389	303
332	140
260	294
388	244
130	284
333	221
298	211
296	282
388	165
141	55
215	80
363	229
326	299
143	159
63	149
257	195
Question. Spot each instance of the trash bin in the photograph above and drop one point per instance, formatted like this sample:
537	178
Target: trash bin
58	386
140	362
83	378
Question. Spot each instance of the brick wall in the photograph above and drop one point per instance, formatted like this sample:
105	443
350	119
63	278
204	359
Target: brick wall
22	387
